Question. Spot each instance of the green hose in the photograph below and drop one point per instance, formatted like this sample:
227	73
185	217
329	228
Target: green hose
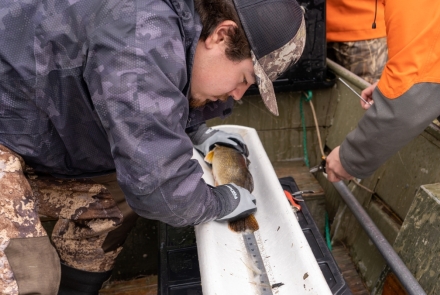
327	231
303	123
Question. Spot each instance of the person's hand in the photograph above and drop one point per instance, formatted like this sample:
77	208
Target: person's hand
334	169
213	136
236	202
367	94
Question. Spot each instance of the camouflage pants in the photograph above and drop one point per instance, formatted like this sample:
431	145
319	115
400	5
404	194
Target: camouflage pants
93	221
365	58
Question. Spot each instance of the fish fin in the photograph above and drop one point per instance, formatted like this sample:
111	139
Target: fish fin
248	223
248	162
249	183
209	156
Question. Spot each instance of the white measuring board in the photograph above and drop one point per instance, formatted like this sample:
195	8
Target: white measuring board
225	265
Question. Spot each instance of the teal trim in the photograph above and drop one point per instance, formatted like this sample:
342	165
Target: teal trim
305	97
327	231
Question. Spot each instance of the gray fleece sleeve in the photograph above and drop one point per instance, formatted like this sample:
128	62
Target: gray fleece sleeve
388	126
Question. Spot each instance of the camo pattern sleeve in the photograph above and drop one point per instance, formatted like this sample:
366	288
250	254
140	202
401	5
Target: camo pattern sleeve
136	71
88	87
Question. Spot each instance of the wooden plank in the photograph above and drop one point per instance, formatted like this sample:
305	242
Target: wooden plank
348	270
301	173
392	286
140	286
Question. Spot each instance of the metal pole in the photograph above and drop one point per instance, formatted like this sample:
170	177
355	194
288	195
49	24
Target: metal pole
396	264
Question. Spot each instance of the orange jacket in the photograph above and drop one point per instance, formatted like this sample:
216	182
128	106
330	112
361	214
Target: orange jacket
407	97
351	20
413	37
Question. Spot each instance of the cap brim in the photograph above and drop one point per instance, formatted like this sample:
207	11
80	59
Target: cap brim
269	67
265	86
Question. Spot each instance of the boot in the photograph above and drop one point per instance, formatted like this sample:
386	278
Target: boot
80	282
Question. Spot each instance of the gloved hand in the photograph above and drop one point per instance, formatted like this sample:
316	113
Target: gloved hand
205	138
236	202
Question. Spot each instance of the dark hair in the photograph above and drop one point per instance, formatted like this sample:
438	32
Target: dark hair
212	13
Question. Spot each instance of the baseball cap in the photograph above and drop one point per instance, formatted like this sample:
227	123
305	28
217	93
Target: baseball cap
276	33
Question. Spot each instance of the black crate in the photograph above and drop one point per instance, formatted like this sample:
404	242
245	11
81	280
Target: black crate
323	256
310	72
179	272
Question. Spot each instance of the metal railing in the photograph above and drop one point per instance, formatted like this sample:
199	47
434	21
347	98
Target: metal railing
396	264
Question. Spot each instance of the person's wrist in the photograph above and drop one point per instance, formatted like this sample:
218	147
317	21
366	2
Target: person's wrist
223	201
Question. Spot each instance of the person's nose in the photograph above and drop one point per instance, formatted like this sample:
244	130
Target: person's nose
239	91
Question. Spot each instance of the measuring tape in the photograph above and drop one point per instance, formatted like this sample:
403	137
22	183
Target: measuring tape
254	253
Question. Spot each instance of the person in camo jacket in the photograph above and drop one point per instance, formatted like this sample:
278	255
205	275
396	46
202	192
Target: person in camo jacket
101	104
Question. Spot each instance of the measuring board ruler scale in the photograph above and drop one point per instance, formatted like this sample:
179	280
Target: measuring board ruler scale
253	251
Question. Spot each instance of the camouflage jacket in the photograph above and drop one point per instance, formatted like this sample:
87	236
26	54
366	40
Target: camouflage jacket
88	87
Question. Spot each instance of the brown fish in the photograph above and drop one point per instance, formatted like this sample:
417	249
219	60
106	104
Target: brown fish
230	166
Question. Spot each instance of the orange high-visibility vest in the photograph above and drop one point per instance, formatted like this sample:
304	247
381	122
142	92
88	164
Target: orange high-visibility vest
413	37
351	20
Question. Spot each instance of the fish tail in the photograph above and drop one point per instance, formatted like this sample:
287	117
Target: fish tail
248	223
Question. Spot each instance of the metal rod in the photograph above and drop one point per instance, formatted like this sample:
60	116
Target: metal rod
396	264
349	87
345	74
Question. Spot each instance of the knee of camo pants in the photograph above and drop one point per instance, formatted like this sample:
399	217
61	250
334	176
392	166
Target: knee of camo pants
365	58
28	262
92	220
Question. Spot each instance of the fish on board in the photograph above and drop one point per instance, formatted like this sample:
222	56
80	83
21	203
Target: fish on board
231	166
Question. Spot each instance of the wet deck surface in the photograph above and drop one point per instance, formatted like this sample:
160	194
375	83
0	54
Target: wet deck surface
140	286
305	181
351	276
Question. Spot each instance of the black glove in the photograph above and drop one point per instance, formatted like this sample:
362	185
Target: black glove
204	140
236	202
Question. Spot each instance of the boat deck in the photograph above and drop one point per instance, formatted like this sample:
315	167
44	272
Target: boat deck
351	276
141	286
305	181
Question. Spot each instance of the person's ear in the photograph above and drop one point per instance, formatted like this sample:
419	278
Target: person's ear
220	34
